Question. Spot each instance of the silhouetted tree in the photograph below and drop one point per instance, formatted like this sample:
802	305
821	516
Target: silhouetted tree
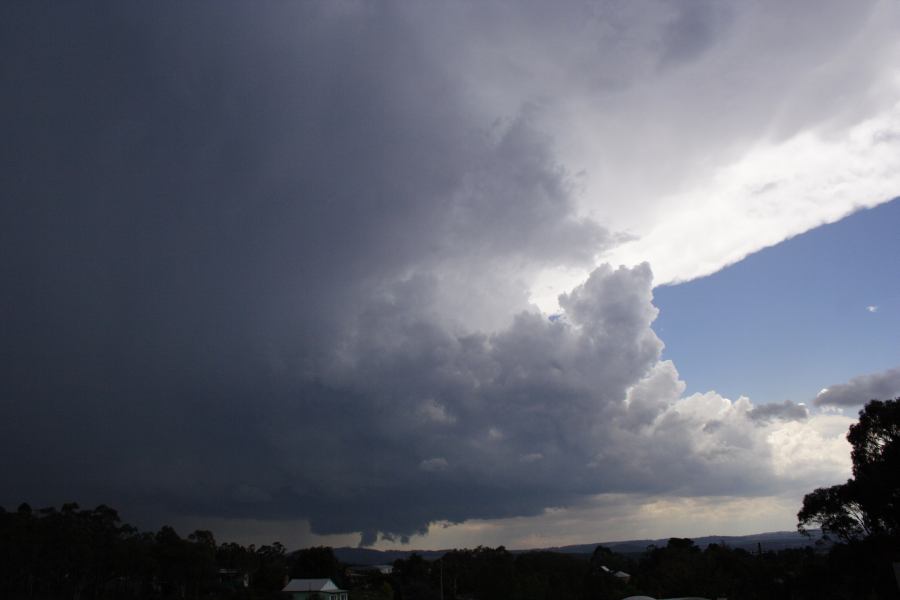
272	568
869	503
316	562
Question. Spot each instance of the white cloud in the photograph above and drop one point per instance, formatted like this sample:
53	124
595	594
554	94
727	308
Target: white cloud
774	191
872	308
814	450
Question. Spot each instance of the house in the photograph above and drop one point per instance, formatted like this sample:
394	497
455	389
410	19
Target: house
314	589
234	578
621	575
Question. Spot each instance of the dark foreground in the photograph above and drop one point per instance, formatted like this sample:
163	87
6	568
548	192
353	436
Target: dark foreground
90	554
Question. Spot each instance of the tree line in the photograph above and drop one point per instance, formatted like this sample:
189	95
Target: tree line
90	554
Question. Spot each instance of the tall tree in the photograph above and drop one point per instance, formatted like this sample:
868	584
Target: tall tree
868	505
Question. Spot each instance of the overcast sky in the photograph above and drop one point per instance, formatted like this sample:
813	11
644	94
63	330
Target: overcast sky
378	272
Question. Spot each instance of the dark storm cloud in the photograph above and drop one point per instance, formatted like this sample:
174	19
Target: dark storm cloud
201	203
276	265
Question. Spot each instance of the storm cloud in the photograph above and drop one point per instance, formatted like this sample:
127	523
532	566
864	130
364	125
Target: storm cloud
282	263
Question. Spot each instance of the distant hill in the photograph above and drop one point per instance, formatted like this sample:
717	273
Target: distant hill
772	541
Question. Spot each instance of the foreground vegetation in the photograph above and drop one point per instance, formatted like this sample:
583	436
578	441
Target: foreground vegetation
851	571
88	554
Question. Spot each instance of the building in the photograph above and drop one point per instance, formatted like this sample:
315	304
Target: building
314	589
234	578
621	575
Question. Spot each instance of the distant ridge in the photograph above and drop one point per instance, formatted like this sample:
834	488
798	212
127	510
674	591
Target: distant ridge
771	541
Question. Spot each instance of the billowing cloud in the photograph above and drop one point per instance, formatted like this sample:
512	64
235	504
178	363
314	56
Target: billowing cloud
283	263
884	385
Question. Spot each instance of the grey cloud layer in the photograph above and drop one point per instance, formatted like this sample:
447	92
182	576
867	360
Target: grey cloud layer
278	265
786	410
884	385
